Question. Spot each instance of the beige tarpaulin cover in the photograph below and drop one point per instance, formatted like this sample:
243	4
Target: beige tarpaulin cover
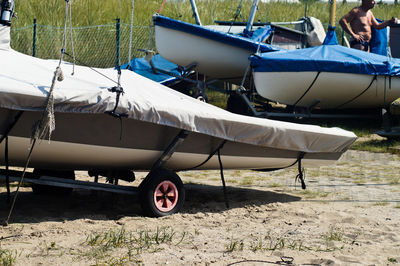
25	82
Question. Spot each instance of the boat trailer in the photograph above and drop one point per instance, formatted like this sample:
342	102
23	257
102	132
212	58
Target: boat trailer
160	193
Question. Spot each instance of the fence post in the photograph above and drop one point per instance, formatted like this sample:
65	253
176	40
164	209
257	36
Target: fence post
118	39
34	39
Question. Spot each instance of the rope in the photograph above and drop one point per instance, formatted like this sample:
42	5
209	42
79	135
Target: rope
301	174
237	14
349	101
7	170
221	169
91	68
72	41
309	88
20	183
208	158
130	37
160	9
64	37
46	125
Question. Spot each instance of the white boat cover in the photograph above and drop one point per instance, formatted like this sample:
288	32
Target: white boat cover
25	82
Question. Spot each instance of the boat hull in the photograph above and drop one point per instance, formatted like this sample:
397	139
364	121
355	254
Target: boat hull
331	90
99	141
213	58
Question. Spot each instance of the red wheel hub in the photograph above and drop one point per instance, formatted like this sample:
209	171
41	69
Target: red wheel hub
166	196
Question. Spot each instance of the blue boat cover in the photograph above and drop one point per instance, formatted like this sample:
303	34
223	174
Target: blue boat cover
261	34
326	58
142	67
218	36
379	40
330	38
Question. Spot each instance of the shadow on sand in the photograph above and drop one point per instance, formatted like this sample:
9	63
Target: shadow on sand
96	205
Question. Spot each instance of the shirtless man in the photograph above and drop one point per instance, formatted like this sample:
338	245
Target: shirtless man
361	20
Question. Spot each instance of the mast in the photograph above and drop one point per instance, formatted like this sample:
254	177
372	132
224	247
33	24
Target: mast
332	13
251	17
195	13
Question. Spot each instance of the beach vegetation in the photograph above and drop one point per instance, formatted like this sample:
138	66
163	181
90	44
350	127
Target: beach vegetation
312	194
7	257
234	245
93	12
130	244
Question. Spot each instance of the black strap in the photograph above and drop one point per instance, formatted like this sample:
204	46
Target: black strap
7	171
309	88
206	160
369	86
16	118
221	169
301	174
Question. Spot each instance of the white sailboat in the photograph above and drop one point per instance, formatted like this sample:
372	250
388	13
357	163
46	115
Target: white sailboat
105	125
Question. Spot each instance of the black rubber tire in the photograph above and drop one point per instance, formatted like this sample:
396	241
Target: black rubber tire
44	189
147	189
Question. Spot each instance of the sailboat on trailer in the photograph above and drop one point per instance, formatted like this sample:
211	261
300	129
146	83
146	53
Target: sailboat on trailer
104	125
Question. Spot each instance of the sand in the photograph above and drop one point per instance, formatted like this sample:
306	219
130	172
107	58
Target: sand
349	215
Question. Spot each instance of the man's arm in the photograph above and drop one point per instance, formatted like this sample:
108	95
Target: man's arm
384	24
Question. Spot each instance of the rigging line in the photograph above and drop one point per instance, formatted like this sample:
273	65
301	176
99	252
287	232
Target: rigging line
120	8
98	72
39	132
370	84
206	160
238	12
64	37
221	169
20	183
72	40
130	37
16	118
160	9
309	88
7	170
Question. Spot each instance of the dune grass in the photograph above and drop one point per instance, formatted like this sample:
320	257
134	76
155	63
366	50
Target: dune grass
93	12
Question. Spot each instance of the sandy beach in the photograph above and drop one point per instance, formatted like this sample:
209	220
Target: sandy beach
348	215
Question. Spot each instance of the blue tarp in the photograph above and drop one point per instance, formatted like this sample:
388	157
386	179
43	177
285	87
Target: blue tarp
261	34
326	58
379	40
218	36
142	67
330	38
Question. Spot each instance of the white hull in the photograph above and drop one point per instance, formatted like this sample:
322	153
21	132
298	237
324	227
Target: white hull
214	59
64	155
332	90
99	141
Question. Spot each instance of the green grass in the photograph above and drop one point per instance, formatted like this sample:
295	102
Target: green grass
376	145
93	12
7	257
129	245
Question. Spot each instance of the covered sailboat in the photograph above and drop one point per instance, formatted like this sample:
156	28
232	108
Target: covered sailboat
103	120
215	53
327	76
87	137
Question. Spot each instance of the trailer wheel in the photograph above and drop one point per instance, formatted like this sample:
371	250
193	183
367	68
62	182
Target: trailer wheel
44	189
161	193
